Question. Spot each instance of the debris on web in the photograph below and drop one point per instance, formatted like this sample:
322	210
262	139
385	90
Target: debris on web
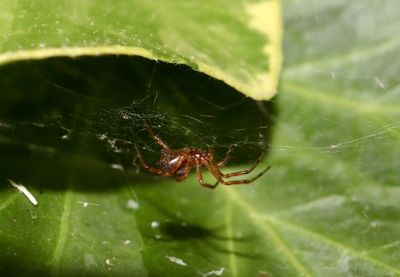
176	260
22	189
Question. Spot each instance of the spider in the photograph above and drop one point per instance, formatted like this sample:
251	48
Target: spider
178	164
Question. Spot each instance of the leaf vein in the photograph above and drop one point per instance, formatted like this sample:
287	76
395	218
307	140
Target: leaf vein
267	228
62	235
9	201
230	241
328	241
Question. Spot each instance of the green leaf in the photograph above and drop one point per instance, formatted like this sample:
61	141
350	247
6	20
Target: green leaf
208	36
328	207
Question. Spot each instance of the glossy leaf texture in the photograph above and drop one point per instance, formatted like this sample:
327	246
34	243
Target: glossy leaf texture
328	207
205	35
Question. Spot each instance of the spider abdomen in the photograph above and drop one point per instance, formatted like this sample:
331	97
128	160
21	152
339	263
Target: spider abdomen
180	160
168	160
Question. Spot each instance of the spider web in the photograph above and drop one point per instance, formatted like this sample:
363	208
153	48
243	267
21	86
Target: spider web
96	108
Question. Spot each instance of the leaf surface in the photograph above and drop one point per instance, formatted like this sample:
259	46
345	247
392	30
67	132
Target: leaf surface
328	207
204	35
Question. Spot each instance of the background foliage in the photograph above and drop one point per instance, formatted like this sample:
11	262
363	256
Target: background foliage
328	207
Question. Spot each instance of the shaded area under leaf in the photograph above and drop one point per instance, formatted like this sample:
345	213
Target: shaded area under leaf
84	116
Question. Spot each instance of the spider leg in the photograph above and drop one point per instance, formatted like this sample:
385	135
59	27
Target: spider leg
246	181
242	172
218	175
201	181
156	137
228	155
147	167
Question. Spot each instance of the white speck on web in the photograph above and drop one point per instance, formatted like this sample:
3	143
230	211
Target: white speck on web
176	260
218	272
108	262
102	137
155	224
84	204
117	166
132	204
333	146
126	242
24	191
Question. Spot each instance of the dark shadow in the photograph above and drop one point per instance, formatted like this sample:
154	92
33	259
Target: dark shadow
16	266
183	231
205	239
83	116
13	266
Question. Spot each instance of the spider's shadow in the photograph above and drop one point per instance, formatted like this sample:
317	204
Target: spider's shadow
201	239
84	116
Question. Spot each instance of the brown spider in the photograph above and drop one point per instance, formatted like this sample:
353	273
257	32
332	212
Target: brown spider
179	163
